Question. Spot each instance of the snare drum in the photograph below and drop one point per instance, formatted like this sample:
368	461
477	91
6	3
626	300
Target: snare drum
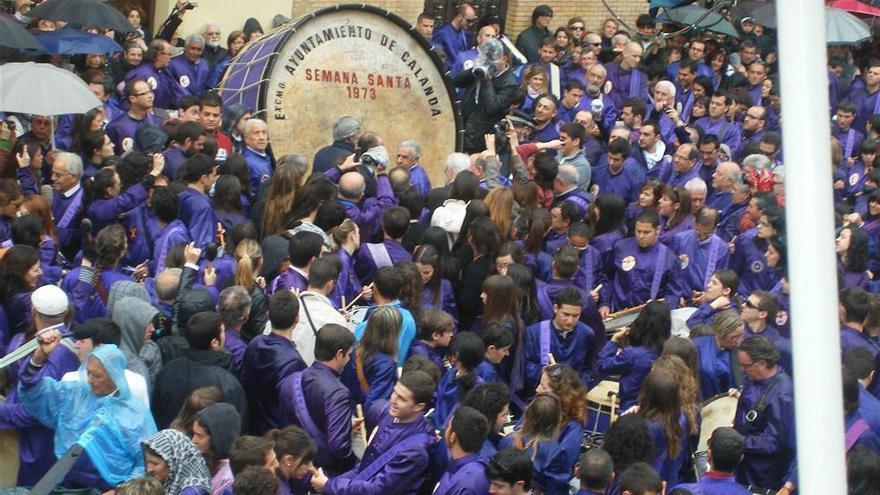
679	321
603	400
717	411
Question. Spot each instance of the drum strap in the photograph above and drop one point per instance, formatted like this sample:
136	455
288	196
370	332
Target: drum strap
854	432
380	255
544	341
714	251
734	368
362	377
302	412
850	141
635	81
302	303
380	462
659	268
762	401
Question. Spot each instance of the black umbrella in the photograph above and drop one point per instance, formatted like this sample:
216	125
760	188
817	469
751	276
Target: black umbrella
13	35
90	13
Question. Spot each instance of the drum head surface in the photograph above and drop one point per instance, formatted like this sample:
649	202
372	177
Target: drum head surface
354	60
721	411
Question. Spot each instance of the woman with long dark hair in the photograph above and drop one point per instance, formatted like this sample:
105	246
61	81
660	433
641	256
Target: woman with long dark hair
437	292
539	439
852	251
466	353
374	359
631	352
483	240
606	216
295	452
20	272
450	268
660	404
564	382
674	208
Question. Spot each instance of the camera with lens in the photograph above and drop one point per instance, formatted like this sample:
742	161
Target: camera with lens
501	141
369	161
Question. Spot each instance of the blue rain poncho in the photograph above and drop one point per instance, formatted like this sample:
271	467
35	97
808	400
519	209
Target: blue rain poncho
110	428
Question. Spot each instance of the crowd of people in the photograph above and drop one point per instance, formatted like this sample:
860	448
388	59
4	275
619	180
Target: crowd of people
185	313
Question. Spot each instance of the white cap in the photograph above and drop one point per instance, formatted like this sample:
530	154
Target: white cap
49	300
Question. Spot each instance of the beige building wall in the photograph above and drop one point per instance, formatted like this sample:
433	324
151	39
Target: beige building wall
230	14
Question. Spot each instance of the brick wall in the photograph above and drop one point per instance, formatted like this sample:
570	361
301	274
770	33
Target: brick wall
519	12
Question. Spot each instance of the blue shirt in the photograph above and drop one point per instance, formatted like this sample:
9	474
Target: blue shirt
407	333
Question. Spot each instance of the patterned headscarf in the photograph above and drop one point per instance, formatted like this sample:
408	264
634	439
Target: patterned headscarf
186	466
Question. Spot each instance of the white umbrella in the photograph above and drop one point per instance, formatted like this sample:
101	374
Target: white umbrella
843	28
43	89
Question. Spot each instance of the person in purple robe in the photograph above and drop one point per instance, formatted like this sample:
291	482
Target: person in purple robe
438	292
172	230
564	337
389	252
596	470
260	161
188	140
595	97
464	438
270	359
366	212
317	401
699	253
510	470
35	440
866	98
408	155
436	329
121	130
20	272
565	188
719	295
860	363
234	306
764	416
303	249
747	258
759	312
642	267
111	202
717	123
498	339
627	81
196	211
850	138
855	305
397	458
852	251
466	352
724	453
190	70
631	353
618	173
454	37
544	116
562	215
68	198
717	354
154	71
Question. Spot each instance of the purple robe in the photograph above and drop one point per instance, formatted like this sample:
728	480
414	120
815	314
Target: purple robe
716	367
625	183
768	448
573	348
236	346
260	167
403	474
697	260
622	86
191	76
389	253
668	468
435	354
171	235
639	274
465	476
368	214
269	359
420	179
632	364
197	213
122	129
716	484
166	89
748	261
174	159
289	279
728	132
330	409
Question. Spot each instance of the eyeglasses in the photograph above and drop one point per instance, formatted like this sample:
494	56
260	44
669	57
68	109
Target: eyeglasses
144	93
750	116
749	304
577	28
747	366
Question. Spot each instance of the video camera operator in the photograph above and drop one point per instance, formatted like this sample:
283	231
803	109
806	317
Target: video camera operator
490	89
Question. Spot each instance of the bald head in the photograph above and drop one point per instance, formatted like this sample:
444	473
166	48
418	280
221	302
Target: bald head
167	283
632	55
352	185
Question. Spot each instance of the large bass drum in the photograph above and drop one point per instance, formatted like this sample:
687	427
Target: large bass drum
350	59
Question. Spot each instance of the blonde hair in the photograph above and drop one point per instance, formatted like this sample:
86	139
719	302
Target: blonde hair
381	334
342	232
248	260
725	322
500	203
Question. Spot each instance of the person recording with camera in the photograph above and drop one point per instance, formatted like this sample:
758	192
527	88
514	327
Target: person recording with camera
490	88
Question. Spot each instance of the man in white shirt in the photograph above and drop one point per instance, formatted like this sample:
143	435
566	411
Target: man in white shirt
315	307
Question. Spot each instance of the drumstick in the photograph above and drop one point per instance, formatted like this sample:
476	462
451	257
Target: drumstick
552	359
372	435
597	289
613	398
343	301
345	307
360	415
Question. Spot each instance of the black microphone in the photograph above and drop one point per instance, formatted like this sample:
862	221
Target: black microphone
87	226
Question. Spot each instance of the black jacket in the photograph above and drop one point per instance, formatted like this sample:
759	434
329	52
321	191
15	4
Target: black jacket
197	368
484	108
